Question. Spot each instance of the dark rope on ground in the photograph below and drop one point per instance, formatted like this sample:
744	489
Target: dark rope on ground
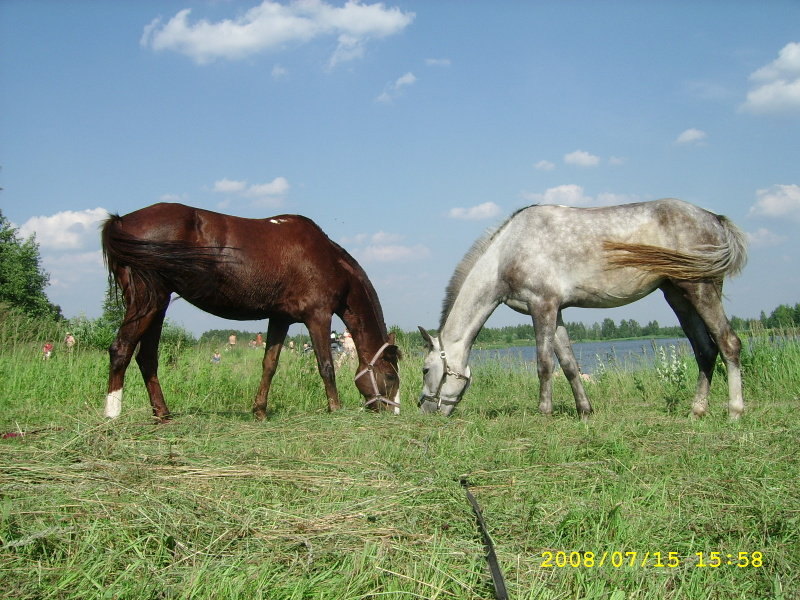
500	592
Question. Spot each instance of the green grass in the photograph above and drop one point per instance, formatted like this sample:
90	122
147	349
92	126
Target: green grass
356	505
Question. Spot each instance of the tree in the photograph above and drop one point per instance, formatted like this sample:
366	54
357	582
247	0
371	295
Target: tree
113	306
608	329
22	279
782	316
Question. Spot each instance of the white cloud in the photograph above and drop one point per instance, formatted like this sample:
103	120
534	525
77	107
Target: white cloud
228	186
67	230
272	25
407	79
383	246
765	238
393	253
574	195
487	210
581	159
393	89
708	90
786	66
268	194
616	161
544	165
567	195
437	62
778	201
277	187
381	237
611	199
691	136
173	198
777	84
279	72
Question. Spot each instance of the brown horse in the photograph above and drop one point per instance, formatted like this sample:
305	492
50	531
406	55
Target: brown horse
283	268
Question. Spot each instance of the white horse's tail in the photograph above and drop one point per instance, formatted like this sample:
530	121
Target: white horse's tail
705	262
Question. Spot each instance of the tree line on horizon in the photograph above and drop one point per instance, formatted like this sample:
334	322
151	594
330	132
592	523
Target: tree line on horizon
782	317
23	282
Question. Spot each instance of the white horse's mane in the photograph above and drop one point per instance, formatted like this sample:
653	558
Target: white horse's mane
469	260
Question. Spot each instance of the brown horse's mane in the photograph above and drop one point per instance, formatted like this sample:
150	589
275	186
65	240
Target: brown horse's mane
369	290
469	260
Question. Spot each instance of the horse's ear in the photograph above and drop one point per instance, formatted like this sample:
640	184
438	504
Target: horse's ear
426	337
392	347
392	352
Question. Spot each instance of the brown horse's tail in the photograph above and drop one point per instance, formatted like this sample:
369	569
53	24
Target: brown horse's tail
153	267
712	262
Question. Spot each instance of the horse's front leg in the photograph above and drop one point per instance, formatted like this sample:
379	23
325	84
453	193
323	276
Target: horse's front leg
320	330
147	359
544	325
276	334
566	357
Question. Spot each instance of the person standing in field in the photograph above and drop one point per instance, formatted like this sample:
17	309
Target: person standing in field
69	341
232	341
348	344
47	350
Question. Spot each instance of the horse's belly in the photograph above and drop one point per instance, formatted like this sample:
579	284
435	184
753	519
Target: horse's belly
609	297
237	313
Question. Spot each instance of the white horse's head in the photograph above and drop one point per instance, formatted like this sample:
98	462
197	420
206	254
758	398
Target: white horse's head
442	387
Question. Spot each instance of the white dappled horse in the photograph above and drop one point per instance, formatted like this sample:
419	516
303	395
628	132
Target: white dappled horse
546	258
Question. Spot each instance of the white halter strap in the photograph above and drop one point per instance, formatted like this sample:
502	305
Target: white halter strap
446	370
370	369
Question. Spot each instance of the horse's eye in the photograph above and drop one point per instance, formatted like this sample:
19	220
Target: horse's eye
425	370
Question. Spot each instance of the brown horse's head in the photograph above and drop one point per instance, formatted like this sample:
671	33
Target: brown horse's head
379	380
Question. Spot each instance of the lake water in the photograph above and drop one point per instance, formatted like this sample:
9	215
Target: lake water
629	355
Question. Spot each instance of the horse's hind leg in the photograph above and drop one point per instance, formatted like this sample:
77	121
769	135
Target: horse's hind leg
705	350
147	359
120	353
699	309
276	334
320	330
136	324
566	357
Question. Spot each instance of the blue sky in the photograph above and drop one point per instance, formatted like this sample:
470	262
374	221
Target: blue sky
404	129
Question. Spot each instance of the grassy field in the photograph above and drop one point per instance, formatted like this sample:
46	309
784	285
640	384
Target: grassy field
357	505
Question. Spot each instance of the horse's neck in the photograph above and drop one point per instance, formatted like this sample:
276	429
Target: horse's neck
476	300
364	322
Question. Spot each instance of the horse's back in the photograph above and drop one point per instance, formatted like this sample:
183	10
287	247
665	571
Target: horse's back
667	222
272	264
566	252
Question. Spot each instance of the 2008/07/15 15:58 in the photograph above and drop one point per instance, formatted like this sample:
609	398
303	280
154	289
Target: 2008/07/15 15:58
670	560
